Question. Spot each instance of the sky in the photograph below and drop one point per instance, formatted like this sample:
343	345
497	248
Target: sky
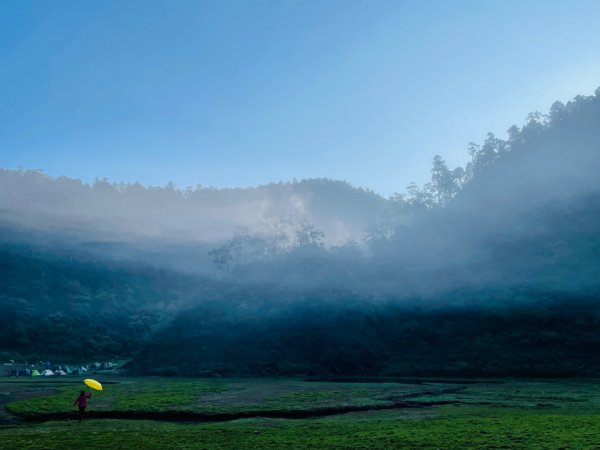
242	93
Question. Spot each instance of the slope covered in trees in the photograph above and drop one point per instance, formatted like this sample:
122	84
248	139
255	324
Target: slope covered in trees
490	269
343	334
105	211
55	305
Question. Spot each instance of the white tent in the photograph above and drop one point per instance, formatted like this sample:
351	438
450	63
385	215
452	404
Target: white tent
83	369
60	372
47	373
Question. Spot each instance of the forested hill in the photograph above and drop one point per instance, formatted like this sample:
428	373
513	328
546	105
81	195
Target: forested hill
524	211
488	269
53	305
129	213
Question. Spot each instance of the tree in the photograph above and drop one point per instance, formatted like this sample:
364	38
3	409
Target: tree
418	199
444	182
236	245
221	258
308	235
558	113
459	175
534	127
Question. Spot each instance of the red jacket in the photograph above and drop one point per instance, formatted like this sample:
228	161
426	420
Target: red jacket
82	400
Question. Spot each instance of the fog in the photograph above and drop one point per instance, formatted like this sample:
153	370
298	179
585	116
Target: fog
522	214
513	215
319	277
131	221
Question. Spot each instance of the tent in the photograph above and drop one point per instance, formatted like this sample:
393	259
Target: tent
83	369
60	372
35	373
68	369
47	373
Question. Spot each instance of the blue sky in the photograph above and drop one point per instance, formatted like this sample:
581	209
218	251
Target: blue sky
239	93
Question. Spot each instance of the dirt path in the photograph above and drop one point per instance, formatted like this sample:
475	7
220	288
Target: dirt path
176	416
15	395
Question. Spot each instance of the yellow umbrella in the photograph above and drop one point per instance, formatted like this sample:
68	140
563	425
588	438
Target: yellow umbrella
93	384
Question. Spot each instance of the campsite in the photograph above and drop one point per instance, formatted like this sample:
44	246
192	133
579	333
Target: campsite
47	369
186	413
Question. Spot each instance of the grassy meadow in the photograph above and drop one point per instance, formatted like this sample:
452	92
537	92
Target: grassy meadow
292	413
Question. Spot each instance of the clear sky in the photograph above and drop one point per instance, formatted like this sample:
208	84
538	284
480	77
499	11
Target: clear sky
239	93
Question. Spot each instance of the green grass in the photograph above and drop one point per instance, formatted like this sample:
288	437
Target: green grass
526	431
515	414
581	395
126	394
210	396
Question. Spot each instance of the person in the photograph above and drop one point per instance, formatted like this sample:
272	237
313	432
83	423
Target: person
81	401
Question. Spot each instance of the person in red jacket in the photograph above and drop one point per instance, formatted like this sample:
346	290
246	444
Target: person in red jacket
81	401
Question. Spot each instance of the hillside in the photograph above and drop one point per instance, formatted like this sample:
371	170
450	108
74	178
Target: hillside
130	212
56	306
492	269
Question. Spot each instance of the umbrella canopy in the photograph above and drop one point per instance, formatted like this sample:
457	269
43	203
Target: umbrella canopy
93	384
